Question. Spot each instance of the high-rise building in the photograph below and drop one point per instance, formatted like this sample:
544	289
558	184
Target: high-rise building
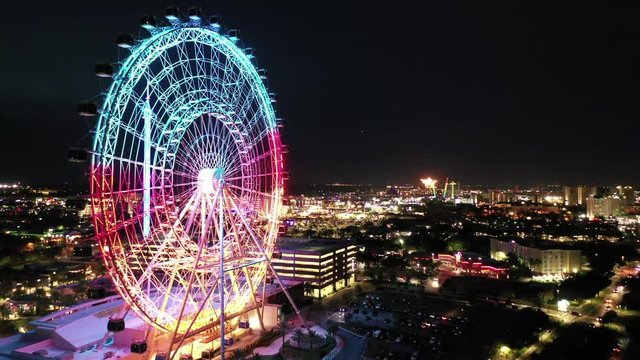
627	194
577	195
498	196
603	206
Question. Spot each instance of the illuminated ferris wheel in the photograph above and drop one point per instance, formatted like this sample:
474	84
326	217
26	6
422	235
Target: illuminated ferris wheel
186	174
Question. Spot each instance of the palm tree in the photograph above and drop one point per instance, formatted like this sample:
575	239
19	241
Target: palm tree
284	327
297	336
332	330
55	299
5	312
312	336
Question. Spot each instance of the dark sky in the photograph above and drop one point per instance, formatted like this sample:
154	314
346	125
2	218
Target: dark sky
486	92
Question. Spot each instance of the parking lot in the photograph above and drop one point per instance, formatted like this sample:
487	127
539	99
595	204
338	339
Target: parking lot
405	324
410	326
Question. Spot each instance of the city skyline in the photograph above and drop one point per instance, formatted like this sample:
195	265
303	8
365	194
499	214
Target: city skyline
319	181
369	94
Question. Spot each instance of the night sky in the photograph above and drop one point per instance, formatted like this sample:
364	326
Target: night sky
487	92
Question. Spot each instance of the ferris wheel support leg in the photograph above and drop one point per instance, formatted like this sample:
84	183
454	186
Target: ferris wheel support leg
186	333
191	278
259	310
222	280
253	237
146	175
264	293
286	293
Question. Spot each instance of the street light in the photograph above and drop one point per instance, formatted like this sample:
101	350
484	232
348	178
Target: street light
504	350
563	305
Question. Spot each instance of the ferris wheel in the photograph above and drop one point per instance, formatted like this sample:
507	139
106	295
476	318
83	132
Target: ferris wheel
186	174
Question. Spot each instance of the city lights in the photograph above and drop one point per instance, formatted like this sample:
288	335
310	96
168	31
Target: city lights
461	182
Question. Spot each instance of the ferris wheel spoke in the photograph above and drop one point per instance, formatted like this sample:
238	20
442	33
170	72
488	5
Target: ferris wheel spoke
131	162
257	192
189	183
270	174
184	174
152	264
195	265
186	102
263	156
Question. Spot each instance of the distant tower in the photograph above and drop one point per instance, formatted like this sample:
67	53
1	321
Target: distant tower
430	185
449	191
453	189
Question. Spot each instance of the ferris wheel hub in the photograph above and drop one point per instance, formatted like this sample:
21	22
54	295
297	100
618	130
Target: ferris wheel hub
187	141
210	179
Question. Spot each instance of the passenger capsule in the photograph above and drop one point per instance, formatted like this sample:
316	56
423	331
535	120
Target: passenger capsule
194	13
233	35
115	325
77	155
87	109
172	13
124	40
148	22
104	70
139	346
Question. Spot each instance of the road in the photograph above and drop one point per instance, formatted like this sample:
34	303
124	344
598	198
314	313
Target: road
353	346
609	293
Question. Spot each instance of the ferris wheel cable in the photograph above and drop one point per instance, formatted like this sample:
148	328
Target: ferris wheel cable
187	226
191	281
193	162
269	195
253	176
129	161
268	262
233	89
166	240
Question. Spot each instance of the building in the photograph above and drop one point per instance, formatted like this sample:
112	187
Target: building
473	264
541	257
324	265
499	196
626	194
82	332
603	206
577	195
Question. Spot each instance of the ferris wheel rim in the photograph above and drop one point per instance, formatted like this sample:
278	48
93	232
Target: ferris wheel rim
102	157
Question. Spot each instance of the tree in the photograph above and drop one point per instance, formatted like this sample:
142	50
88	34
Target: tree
545	297
5	312
284	327
297	336
308	289
609	316
332	330
456	244
358	289
312	337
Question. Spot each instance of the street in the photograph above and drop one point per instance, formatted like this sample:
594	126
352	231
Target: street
353	346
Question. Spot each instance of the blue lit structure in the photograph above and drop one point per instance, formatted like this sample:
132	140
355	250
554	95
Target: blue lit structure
187	176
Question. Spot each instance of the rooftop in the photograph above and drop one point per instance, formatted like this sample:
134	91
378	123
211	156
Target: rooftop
320	246
542	244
